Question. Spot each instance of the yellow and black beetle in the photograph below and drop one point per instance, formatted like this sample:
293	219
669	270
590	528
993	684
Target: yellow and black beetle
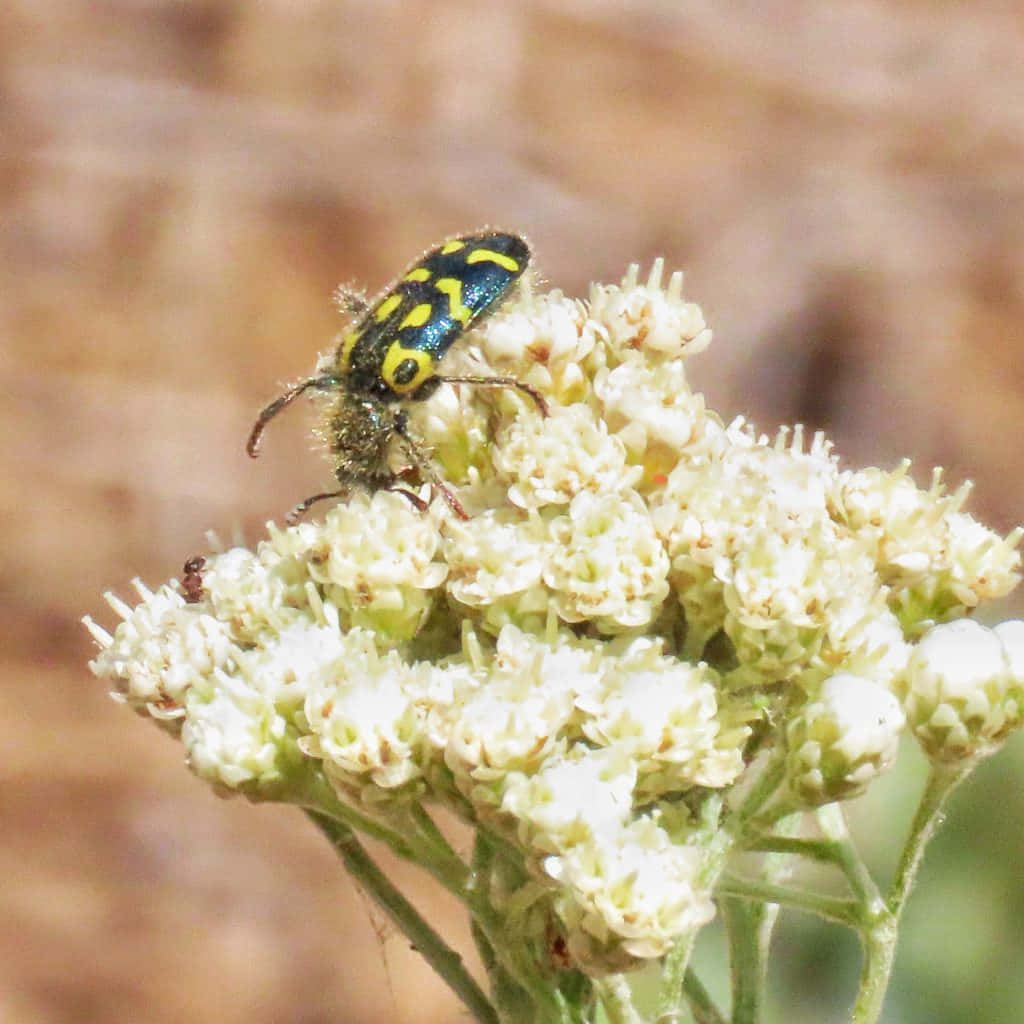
390	356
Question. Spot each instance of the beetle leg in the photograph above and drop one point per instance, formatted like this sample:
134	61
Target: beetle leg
426	471
501	382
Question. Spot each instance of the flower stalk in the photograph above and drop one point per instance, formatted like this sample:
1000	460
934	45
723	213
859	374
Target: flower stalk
426	940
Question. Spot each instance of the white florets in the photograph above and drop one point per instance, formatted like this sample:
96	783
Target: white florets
648	317
651	410
937	562
585	660
161	650
548	461
606	563
628	895
496	555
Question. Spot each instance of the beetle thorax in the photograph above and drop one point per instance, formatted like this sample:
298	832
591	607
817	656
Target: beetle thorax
360	430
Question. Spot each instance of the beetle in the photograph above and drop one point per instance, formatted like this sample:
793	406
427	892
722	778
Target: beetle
390	356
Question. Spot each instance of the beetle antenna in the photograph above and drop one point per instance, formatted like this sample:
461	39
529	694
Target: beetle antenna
252	446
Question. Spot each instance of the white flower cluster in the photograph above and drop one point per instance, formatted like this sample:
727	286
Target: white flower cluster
581	660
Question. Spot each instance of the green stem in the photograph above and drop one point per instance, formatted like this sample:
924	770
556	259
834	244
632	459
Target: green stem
702	1006
768	782
513	1000
317	796
679	985
832	822
822	850
749	926
516	976
617	999
942	780
880	932
840	853
422	844
673	977
744	922
445	961
842	911
420	841
484	948
428	829
483	858
771	816
879	954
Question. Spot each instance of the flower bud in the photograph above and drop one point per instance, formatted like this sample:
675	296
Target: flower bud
963	695
842	740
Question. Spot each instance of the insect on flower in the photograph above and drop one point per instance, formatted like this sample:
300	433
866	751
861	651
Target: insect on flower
390	356
192	579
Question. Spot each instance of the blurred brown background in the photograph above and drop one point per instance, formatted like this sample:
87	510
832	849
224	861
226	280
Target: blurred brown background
182	186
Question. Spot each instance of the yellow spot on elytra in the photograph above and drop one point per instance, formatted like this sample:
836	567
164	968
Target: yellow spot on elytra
417	274
453	246
490	256
348	342
387	307
393	359
417	316
452	287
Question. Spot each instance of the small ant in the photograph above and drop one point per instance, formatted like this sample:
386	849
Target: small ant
192	579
